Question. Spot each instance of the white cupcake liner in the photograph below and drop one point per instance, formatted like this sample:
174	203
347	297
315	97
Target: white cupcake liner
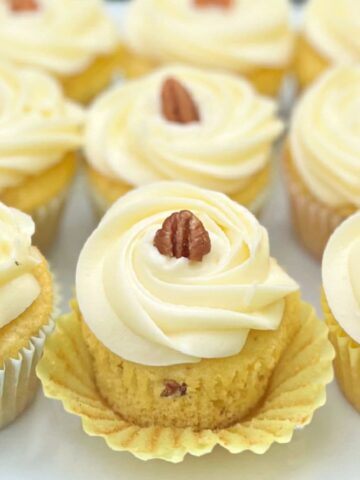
47	218
18	380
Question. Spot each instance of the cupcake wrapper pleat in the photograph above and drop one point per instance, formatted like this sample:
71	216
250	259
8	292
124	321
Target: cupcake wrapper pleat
347	361
296	390
47	219
18	380
313	221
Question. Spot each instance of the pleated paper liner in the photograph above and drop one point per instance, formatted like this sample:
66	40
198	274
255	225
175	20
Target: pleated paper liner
347	361
18	380
47	219
297	389
313	221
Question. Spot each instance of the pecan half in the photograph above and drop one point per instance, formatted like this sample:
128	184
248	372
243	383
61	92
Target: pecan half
174	389
23	5
177	104
183	235
214	3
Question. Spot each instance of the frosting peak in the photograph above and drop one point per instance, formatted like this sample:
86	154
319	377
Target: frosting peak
60	36
332	26
155	310
18	286
38	125
340	272
128	138
325	137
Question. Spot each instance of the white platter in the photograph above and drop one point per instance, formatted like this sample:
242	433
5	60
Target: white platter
47	443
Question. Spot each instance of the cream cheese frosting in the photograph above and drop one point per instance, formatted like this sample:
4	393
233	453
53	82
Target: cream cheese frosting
325	136
128	138
18	286
341	279
155	310
247	35
332	27
63	37
38	126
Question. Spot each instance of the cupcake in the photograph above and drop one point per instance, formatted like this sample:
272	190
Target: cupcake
341	304
74	40
27	300
40	132
330	36
185	332
181	123
252	38
322	156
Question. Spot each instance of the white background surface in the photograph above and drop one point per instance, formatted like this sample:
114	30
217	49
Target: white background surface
48	443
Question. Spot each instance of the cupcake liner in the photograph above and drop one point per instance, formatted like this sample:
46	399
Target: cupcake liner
18	380
47	219
296	390
312	220
347	361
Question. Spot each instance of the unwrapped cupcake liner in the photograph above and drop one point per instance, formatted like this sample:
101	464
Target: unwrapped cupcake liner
313	221
47	219
347	361
296	390
18	380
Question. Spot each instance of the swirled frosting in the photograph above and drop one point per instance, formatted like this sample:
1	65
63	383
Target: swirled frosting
332	27
38	126
248	35
128	138
155	310
18	286
340	272
325	137
63	37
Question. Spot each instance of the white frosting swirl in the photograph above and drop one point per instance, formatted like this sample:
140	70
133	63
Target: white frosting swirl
38	126
18	286
155	310
325	137
248	35
340	272
61	36
128	138
332	27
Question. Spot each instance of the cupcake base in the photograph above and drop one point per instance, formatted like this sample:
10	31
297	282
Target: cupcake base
267	81
44	197
313	221
309	64
104	191
86	85
296	390
347	360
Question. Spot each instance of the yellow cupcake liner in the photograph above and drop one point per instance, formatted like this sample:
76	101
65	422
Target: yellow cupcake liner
18	380
347	361
313	221
296	390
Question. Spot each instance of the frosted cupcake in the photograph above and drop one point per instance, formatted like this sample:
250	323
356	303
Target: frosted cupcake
186	333
74	40
248	37
40	132
330	36
181	123
341	304
322	156
26	299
